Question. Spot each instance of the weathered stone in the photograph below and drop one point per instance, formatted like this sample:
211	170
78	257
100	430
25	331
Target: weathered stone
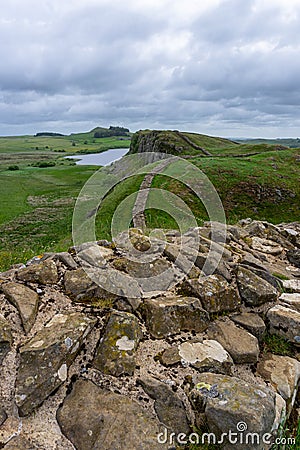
294	257
117	283
285	322
292	285
116	352
167	316
228	401
283	373
249	260
253	289
44	359
159	274
95	256
266	246
97	419
168	407
215	293
212	264
134	238
252	322
267	276
44	273
77	282
208	356
241	345
183	258
10	428
5	338
3	415
25	300
292	300
66	259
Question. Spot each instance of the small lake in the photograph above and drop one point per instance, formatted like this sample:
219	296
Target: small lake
99	159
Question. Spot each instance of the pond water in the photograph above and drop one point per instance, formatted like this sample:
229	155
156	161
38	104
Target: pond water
100	159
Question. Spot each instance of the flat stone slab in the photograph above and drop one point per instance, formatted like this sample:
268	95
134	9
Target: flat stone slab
283	373
165	316
251	322
241	345
285	322
229	401
292	285
266	246
115	354
45	359
97	419
25	300
207	356
292	300
253	289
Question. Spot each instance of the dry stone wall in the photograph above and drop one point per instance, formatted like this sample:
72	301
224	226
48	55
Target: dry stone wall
121	364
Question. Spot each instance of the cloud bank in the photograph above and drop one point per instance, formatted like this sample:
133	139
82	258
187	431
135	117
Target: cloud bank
221	67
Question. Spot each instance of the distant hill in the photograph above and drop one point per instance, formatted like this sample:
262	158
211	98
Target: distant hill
287	142
101	132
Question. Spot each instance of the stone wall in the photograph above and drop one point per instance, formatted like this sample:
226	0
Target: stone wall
121	362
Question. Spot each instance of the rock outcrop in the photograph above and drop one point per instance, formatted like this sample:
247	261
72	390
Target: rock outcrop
119	345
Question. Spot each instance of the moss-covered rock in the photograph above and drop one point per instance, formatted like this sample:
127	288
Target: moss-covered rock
44	359
115	354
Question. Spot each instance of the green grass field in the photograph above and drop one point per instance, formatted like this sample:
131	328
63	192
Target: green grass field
37	202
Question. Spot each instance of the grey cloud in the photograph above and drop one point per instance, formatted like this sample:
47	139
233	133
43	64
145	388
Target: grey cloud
231	68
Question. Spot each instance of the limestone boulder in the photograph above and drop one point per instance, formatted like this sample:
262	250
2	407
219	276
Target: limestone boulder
215	293
45	359
115	354
165	316
239	343
44	273
25	300
253	289
93	418
285	322
233	404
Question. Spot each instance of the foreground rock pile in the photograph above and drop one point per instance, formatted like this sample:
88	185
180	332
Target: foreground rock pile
141	351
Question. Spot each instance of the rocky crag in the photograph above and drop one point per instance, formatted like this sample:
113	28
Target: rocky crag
126	362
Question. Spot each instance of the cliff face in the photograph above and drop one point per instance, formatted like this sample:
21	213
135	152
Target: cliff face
156	141
105	349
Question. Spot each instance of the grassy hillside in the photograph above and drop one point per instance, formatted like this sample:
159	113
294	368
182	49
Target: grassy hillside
258	180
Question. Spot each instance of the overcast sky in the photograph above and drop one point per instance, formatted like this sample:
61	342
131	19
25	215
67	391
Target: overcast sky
220	67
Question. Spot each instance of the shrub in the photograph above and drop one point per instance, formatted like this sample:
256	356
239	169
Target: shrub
13	167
